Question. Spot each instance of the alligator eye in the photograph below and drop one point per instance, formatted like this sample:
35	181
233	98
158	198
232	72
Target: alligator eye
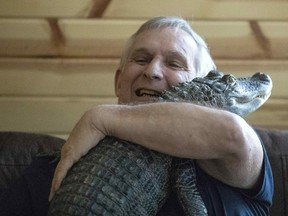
214	74
229	79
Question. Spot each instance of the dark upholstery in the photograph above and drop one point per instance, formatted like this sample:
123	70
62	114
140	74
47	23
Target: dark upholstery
17	150
276	144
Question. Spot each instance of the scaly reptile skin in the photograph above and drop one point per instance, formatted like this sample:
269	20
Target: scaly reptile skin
121	178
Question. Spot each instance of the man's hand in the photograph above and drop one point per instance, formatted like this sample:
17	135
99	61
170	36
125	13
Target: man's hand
84	136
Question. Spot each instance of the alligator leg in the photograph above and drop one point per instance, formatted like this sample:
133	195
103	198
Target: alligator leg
186	189
115	178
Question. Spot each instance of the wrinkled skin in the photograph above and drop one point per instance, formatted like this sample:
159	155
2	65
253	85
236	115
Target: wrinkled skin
120	178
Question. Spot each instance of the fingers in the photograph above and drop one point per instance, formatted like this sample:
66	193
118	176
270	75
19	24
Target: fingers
60	172
83	137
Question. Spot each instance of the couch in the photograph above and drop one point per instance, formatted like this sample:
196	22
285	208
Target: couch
17	150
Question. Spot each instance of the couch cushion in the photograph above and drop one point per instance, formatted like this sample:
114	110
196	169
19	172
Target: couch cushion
17	150
276	144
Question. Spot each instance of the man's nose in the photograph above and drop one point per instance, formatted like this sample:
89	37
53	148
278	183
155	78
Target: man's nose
154	70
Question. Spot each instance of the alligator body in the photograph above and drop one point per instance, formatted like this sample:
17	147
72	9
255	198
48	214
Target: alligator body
121	178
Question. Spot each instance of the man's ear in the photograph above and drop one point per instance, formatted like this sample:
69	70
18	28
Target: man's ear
117	83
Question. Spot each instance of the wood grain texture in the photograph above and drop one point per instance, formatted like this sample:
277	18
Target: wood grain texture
59	115
58	57
57	77
95	77
43	8
200	10
135	9
46	114
50	95
106	38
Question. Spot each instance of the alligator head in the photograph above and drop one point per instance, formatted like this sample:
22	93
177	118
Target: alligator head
238	95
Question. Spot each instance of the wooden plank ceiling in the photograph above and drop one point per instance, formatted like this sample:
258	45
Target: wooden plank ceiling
58	57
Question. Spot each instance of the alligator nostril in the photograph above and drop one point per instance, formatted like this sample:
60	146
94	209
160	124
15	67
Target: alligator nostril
262	76
258	74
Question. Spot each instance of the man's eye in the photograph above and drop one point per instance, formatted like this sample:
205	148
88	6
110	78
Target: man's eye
175	65
141	61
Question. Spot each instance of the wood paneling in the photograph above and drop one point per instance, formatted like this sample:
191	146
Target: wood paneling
50	95
134	9
43	8
95	77
25	37
45	115
242	40
58	57
59	115
199	9
273	114
97	38
57	77
277	37
106	38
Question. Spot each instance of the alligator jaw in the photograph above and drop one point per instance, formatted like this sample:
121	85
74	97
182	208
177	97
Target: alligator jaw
244	108
248	94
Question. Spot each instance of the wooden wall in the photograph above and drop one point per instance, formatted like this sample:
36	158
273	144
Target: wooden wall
58	57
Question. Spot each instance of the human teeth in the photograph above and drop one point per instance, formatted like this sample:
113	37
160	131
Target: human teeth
145	92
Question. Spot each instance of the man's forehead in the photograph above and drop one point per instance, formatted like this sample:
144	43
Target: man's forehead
171	40
151	52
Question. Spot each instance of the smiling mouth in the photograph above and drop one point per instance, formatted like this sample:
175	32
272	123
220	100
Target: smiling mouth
146	92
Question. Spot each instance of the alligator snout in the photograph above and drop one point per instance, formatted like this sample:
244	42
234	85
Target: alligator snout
261	76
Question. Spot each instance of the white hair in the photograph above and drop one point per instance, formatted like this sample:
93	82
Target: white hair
203	61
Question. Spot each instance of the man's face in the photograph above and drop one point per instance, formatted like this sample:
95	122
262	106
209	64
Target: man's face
158	59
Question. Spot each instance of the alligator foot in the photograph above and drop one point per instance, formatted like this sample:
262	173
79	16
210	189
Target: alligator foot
186	189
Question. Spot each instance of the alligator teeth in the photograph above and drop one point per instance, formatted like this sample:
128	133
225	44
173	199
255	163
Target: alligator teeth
265	96
146	92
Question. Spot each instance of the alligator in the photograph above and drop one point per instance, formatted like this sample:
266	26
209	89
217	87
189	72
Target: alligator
118	177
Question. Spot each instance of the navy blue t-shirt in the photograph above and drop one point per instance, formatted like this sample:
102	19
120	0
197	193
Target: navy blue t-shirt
221	199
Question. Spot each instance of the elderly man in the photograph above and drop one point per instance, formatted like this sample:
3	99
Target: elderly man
233	172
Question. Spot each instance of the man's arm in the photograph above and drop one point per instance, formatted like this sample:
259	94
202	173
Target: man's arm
224	145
